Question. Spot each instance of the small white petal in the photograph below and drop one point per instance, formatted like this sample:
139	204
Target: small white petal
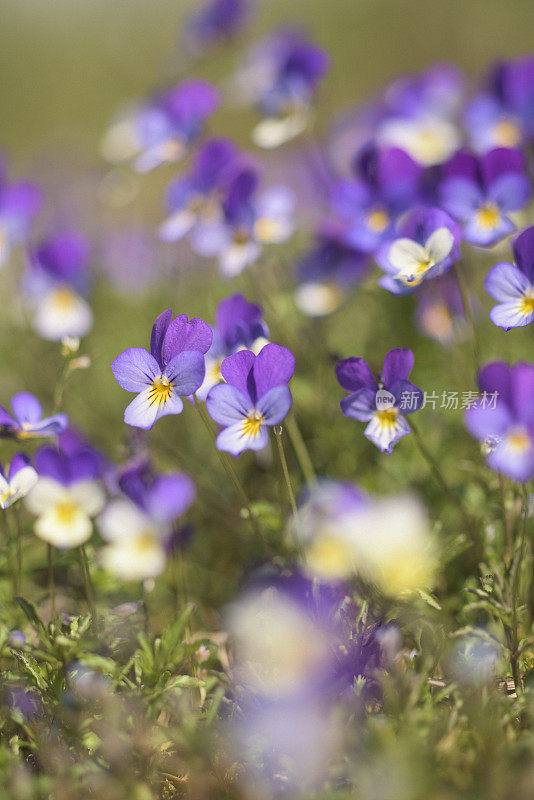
122	519
89	495
137	558
46	493
439	245
62	313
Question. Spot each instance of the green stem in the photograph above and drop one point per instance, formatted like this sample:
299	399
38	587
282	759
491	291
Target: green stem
89	593
51	580
278	430
515	579
434	466
505	516
301	451
468	310
232	474
19	535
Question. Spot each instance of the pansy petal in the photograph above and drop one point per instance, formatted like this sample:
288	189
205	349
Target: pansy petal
523	248
46	493
360	405
49	426
354	373
184	334
405	255
510	191
18	462
506	282
485	235
517	466
89	495
236	369
274	366
275	404
144	410
169	496
398	364
234	440
461	197
484	423
408	397
439	244
186	372
159	329
50	464
26	407
227	404
385	432
496	377
122	519
511	314
135	369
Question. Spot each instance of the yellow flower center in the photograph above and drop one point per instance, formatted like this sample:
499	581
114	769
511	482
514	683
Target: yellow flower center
507	133
144	544
265	229
252	424
388	417
63	299
214	371
378	220
66	512
416	277
488	216
518	440
526	305
160	390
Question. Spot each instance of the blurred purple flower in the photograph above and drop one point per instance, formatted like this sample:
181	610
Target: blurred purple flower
504	418
215	21
27	420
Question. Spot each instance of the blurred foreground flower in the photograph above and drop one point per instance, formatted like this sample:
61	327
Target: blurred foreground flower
65	497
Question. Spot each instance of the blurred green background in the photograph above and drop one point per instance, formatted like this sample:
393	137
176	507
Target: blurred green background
67	64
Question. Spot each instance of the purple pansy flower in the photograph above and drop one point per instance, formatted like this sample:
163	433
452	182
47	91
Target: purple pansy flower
249	220
17	480
139	525
254	397
512	285
161	129
27	420
382	402
387	183
216	20
57	278
238	325
503	114
504	418
65	497
425	246
281	75
328	271
197	195
19	204
173	369
481	192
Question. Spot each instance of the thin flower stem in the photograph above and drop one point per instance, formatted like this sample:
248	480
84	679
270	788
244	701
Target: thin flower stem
505	516
434	466
10	544
89	593
515	579
51	580
278	430
229	467
301	451
19	535
468	310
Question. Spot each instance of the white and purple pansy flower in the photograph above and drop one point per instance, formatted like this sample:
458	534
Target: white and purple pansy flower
504	419
173	369
426	245
254	397
17	480
512	285
27	421
383	402
160	130
482	192
138	526
66	497
238	326
57	279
